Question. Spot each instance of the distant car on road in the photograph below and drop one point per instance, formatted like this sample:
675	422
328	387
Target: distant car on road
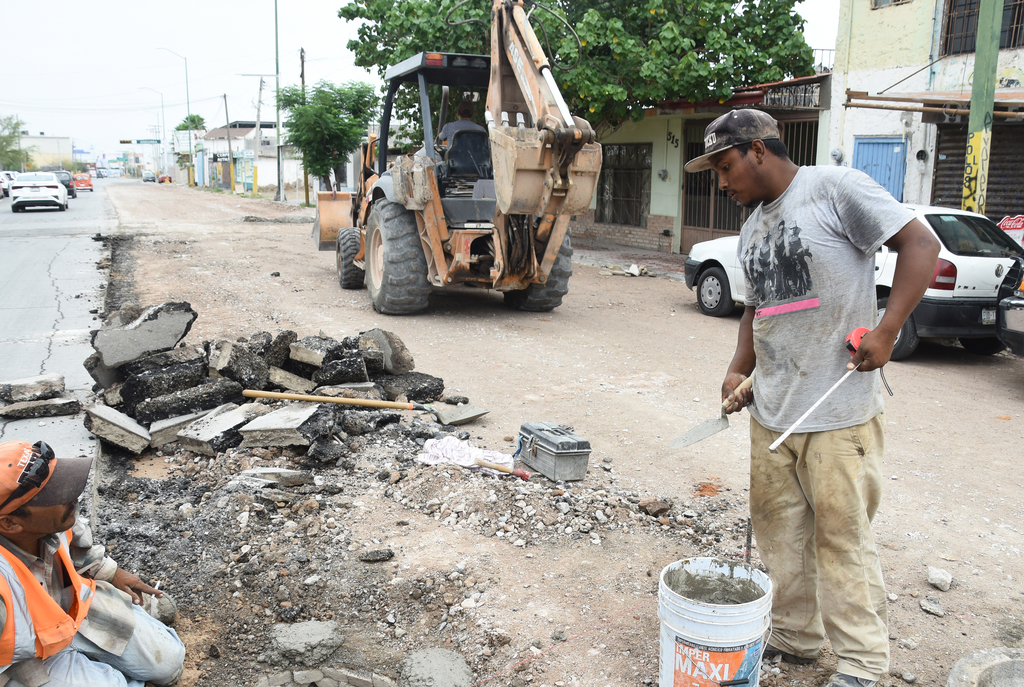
1010	318
84	181
101	173
38	189
960	302
68	180
6	178
149	176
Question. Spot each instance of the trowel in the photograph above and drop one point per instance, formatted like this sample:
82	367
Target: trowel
452	415
709	427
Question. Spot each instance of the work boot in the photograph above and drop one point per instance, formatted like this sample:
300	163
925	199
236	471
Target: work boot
843	680
792	659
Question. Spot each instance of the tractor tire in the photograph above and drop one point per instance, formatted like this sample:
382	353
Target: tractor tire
396	269
547	296
347	247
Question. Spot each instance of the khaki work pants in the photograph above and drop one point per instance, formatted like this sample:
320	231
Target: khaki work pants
811	505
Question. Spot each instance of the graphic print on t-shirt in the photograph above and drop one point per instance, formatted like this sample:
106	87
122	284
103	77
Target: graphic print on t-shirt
777	266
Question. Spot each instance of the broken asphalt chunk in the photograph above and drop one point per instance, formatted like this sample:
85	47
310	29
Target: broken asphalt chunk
116	428
415	386
203	397
286	380
282	476
160	382
158	328
49	407
312	349
350	368
32	388
160	361
165	431
278	350
235	361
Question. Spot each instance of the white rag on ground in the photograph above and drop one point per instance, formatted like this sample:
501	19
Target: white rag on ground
462	453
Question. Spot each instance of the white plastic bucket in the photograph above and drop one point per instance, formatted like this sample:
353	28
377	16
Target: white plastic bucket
708	645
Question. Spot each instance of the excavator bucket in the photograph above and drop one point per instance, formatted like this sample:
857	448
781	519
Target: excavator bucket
333	212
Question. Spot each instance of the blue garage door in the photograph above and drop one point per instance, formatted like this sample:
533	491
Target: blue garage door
884	160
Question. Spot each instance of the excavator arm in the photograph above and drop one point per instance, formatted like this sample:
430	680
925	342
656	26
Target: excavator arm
546	161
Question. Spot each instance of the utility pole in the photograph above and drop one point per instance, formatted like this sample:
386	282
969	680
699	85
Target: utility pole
277	99
983	93
259	140
231	157
302	75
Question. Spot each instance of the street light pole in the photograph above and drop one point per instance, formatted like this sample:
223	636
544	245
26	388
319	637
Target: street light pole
163	128
277	103
188	110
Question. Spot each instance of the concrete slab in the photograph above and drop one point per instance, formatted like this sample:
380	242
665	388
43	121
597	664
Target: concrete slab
32	388
218	430
286	380
158	328
294	425
281	476
312	349
117	428
165	431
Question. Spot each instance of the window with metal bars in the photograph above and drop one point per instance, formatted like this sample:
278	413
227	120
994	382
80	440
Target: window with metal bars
961	29
624	188
707	206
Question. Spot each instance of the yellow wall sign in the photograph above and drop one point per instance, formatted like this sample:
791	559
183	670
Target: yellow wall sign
976	171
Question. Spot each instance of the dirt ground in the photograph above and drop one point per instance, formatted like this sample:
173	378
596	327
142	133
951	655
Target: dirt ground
629	363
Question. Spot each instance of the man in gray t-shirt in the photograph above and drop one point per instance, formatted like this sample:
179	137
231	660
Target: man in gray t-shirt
807	253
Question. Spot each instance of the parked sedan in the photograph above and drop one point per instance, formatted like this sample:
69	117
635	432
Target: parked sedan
68	180
1010	318
6	177
84	181
38	189
960	302
149	176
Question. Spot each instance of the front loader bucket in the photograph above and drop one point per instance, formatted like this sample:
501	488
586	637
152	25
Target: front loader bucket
333	212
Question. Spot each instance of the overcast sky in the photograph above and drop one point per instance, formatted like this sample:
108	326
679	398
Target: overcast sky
84	71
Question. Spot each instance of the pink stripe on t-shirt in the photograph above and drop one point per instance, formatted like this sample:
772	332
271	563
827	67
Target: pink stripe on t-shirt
787	308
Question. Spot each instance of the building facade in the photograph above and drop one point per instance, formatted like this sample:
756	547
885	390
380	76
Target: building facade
901	94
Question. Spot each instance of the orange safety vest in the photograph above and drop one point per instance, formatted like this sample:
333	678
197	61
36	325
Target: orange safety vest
53	628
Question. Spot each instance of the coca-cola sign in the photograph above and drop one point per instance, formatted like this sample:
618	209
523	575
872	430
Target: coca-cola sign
1011	223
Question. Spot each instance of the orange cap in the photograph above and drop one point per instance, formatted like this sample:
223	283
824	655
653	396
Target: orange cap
15	456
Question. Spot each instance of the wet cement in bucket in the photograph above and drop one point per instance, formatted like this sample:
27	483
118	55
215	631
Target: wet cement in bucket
719	589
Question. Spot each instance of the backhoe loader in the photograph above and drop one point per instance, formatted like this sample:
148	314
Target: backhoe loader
486	208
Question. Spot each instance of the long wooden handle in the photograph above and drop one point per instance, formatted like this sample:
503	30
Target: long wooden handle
742	386
252	393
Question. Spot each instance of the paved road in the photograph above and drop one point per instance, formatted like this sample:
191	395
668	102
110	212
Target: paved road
47	288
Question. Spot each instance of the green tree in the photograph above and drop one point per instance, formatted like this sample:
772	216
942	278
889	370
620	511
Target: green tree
194	122
632	56
327	123
11	154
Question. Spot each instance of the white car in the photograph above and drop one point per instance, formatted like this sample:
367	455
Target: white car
960	302
6	178
38	189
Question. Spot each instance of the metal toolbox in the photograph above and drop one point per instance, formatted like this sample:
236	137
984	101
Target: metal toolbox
554	451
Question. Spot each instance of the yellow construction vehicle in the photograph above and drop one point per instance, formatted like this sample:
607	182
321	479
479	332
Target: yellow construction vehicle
487	207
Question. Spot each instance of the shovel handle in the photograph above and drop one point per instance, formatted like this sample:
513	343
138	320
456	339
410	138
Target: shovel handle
742	386
516	472
252	393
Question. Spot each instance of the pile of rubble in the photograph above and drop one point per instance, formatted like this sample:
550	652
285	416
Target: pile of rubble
154	394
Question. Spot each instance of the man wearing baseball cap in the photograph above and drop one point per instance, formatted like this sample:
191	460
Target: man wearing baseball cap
66	612
807	252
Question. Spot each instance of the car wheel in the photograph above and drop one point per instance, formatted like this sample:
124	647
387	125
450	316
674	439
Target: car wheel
989	345
713	294
906	338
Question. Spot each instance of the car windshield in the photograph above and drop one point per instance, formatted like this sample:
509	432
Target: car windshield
973	236
35	177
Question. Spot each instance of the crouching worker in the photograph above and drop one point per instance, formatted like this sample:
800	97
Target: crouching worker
67	616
